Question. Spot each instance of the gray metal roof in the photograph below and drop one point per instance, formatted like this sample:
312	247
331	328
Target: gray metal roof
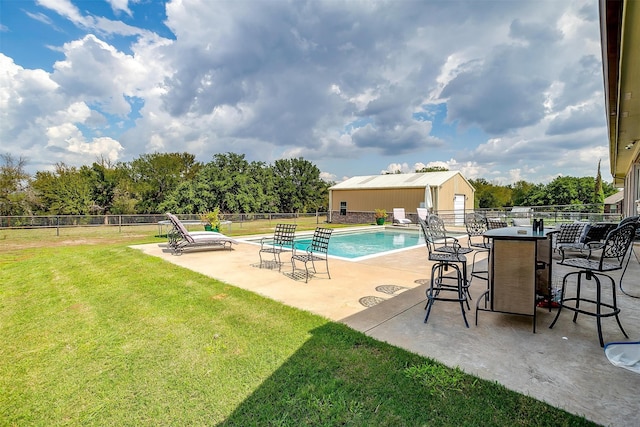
614	198
402	180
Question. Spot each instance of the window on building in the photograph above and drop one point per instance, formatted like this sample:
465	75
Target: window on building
343	208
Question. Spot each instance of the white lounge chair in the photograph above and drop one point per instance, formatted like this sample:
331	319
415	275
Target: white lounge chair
423	213
400	218
180	238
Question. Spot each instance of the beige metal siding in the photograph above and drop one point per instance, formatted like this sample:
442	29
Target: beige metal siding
448	191
368	200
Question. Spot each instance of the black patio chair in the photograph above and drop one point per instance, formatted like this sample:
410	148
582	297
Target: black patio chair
493	223
281	241
593	236
443	242
567	238
476	225
316	251
611	259
634	220
439	282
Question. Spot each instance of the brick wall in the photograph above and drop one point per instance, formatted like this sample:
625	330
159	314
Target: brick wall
355	218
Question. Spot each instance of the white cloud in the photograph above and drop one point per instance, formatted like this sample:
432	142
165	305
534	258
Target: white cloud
519	82
97	73
120	6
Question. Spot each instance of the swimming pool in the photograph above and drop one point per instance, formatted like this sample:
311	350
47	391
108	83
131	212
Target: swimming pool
362	244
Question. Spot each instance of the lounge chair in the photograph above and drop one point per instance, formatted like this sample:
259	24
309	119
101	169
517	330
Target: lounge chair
180	238
399	217
423	213
521	222
281	241
569	236
316	251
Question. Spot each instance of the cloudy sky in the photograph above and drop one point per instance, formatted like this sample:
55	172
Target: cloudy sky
499	89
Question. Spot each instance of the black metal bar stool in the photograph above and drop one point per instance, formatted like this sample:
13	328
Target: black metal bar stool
476	225
612	257
457	286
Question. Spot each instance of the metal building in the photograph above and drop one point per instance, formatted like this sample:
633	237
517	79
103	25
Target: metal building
353	201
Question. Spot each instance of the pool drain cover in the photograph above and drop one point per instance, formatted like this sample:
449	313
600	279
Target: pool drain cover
390	289
370	301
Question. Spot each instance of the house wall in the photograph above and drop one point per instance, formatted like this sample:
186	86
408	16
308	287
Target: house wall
614	208
632	189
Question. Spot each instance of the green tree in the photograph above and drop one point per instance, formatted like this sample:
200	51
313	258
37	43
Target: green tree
520	190
14	183
563	190
608	188
229	182
236	190
66	191
154	176
598	196
299	185
103	179
488	195
536	196
432	169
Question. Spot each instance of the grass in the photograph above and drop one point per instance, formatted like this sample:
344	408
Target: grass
37	237
101	334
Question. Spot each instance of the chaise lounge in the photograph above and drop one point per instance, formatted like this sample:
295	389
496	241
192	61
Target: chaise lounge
400	218
180	238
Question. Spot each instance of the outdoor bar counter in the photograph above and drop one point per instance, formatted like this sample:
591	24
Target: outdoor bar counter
520	266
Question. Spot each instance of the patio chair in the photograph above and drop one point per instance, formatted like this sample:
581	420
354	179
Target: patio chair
593	236
635	220
611	259
442	261
521	222
493	223
316	251
476	225
174	235
444	242
568	238
399	217
281	241
183	239
423	213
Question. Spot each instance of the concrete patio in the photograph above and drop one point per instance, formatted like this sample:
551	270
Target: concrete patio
384	297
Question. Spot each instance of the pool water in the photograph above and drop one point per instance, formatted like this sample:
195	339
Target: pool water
365	244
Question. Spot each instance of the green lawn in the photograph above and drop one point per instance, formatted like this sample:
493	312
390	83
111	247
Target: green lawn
101	334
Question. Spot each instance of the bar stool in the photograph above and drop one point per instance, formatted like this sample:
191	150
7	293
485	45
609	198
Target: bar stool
476	226
612	257
443	260
442	242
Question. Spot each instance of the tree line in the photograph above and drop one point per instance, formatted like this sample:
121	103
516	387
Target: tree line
176	182
563	190
161	182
